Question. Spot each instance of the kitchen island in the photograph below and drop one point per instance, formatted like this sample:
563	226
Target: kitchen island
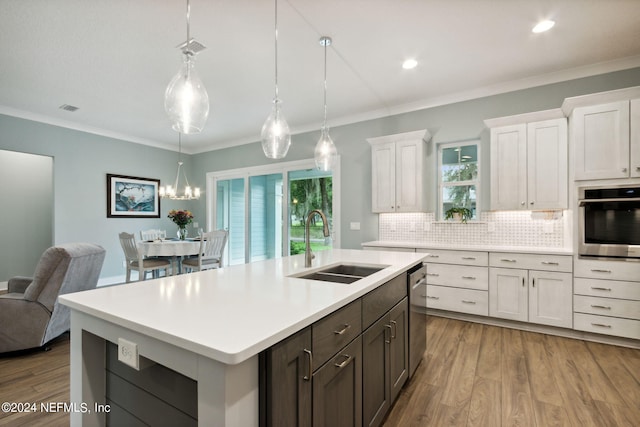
210	326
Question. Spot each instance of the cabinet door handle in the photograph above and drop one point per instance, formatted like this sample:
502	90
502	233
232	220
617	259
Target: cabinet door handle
433	256
624	170
507	260
601	325
472	258
523	203
344	362
531	203
469	277
599	270
523	282
533	282
466	301
550	263
310	370
430	297
425	296
598	288
387	341
638	168
394	329
433	274
343	330
601	306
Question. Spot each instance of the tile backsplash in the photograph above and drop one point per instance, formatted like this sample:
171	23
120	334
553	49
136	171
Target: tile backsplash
504	228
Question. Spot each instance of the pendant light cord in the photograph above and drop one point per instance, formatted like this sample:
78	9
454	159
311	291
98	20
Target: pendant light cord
276	47
324	124
188	48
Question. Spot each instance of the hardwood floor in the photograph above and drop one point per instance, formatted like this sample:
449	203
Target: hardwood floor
36	377
471	375
479	375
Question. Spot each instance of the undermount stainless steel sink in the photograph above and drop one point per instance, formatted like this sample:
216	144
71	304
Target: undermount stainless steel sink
341	273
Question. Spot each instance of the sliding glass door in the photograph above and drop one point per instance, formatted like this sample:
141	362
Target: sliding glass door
264	210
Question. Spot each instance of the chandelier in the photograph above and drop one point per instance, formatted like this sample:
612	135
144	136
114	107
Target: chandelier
186	101
172	192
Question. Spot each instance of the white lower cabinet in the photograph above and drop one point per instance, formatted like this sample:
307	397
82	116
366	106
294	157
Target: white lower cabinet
458	281
536	296
606	297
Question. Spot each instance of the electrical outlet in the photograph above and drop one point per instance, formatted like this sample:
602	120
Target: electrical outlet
195	225
354	226
426	226
412	227
547	227
491	227
128	353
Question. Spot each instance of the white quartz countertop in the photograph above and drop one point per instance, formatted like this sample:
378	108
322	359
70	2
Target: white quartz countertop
485	248
232	314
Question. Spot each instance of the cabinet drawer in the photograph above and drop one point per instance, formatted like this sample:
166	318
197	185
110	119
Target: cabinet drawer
456	299
531	261
607	307
443	256
382	299
611	270
607	325
387	248
334	331
607	288
459	276
419	295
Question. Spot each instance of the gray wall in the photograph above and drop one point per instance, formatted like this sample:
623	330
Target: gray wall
26	216
82	160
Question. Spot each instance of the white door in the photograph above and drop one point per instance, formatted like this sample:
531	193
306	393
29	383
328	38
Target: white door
383	177
601	139
509	167
508	293
547	179
551	298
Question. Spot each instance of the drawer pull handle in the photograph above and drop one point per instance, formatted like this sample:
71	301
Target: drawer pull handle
310	371
601	306
597	288
344	362
598	270
433	274
466	301
602	325
507	260
433	256
469	277
472	258
550	263
343	330
425	296
430	297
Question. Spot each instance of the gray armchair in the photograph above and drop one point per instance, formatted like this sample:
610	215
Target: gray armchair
30	315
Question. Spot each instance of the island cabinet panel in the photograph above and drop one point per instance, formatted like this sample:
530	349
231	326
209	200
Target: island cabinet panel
337	371
285	386
155	395
337	389
385	366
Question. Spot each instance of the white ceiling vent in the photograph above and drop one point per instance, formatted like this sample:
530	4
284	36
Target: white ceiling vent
67	107
195	46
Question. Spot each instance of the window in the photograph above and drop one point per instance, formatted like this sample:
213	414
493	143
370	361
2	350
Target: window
458	177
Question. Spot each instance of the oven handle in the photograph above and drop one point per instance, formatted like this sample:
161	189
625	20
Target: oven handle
583	202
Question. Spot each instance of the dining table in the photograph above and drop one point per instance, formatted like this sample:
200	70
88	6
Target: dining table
174	248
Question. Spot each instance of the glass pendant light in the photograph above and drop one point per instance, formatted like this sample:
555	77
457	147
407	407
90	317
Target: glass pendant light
186	100
325	153
275	135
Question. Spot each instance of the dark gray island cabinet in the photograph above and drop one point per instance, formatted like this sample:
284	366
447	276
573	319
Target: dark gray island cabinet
346	369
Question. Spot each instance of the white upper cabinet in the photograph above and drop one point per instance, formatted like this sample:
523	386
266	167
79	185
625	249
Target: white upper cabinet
605	134
397	172
601	138
529	162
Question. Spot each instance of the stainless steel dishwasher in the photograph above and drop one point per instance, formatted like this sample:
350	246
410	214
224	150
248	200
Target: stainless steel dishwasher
417	290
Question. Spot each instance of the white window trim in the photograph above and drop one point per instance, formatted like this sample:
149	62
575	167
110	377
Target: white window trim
284	168
477	181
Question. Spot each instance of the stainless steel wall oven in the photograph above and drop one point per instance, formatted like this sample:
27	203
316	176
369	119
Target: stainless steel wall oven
609	222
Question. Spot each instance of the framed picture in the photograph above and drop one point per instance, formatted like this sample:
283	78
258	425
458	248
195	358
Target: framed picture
132	197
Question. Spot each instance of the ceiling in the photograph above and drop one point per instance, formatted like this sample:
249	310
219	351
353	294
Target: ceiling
113	58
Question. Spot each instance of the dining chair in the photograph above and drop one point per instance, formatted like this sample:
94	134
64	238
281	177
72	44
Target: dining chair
149	235
135	260
212	246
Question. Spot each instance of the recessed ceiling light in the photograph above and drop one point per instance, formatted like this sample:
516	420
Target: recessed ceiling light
543	26
409	64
